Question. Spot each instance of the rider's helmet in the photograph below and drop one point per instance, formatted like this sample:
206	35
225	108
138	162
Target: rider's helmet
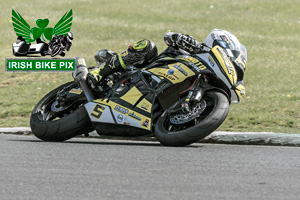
234	49
140	53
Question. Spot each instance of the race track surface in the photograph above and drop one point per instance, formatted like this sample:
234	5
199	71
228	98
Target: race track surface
112	169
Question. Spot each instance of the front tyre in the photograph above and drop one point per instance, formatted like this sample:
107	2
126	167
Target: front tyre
55	51
170	132
69	121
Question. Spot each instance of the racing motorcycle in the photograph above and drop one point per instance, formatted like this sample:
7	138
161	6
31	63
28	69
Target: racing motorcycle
179	100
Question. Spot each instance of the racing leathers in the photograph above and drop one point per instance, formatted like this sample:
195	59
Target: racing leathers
138	54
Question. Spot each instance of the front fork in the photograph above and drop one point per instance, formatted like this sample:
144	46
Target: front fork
87	91
195	94
80	66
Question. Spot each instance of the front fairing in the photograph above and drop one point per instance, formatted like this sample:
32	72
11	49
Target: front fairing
218	61
215	63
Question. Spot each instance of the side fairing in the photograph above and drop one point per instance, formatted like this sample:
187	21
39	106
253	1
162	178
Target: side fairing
104	111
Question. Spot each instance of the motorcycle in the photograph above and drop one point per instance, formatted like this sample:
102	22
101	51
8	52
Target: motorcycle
57	46
180	100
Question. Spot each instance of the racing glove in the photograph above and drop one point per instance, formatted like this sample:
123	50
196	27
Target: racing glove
184	42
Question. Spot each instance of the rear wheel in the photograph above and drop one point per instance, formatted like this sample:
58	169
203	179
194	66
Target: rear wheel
54	121
178	128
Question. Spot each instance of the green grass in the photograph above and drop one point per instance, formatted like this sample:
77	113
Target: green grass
268	28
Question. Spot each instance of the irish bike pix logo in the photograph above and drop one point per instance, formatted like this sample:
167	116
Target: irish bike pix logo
41	41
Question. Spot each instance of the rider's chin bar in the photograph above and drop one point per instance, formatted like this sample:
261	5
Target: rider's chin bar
40	65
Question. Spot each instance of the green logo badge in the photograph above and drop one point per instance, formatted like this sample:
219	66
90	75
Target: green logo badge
22	28
42	40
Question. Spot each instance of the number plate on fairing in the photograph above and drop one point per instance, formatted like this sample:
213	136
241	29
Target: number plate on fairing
99	113
116	114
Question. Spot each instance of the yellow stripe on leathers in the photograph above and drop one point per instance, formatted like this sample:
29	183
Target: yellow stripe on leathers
226	64
176	76
132	96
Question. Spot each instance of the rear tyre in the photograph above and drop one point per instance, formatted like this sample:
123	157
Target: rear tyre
50	126
215	112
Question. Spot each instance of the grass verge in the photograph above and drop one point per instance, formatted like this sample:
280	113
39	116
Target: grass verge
269	29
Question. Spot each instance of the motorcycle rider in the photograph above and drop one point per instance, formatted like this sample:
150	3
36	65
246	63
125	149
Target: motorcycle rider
64	41
144	51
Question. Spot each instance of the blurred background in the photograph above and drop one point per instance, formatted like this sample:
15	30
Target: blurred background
269	29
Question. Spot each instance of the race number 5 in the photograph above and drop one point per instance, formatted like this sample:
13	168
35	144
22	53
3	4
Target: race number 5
97	112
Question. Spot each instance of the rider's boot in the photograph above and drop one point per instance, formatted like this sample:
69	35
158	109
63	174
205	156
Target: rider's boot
114	63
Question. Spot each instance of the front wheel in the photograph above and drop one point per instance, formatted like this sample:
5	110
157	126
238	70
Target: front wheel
181	129
54	121
55	51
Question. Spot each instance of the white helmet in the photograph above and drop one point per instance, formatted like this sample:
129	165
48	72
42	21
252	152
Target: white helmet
234	49
70	36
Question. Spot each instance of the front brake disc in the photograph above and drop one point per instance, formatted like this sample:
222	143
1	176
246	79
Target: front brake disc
195	112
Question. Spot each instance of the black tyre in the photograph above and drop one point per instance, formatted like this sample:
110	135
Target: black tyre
55	51
68	122
215	107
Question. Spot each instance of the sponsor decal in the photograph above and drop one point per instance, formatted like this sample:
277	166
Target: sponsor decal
167	76
134	116
121	110
224	38
211	61
145	106
120	118
226	61
124	120
180	69
195	67
171	72
141	44
76	91
146	123
195	63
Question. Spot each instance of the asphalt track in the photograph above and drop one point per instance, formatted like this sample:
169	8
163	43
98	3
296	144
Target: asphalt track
85	168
